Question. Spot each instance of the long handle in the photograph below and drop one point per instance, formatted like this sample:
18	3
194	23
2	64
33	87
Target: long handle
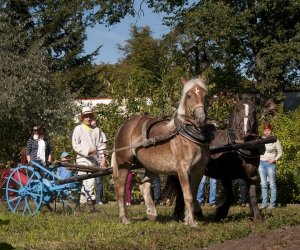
249	144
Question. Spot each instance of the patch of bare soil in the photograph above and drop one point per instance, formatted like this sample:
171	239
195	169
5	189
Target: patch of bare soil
285	238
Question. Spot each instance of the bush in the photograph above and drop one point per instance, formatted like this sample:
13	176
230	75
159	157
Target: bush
287	129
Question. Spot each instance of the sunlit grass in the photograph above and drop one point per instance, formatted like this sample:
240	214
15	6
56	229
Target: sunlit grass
101	230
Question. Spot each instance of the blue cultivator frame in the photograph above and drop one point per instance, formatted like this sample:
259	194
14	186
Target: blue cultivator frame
28	188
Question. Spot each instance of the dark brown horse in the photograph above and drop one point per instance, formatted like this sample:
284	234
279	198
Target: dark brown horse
240	164
164	147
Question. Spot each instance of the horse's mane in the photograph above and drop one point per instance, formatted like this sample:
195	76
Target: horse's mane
187	87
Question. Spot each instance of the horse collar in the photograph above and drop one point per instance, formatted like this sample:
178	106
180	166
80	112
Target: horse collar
199	136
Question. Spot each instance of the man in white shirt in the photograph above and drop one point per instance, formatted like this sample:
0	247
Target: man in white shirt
89	145
98	180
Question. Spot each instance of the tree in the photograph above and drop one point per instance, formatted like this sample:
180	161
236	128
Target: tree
258	40
147	72
28	96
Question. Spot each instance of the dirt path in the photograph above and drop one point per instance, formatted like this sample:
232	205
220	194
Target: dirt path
285	238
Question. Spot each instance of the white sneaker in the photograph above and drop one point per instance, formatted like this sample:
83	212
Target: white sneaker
100	203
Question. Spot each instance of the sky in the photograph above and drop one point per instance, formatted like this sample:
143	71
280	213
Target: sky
109	37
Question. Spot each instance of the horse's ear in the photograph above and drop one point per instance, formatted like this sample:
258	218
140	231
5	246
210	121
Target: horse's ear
183	80
253	98
237	97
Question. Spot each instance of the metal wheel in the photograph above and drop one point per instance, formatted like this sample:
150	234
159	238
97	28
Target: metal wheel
24	190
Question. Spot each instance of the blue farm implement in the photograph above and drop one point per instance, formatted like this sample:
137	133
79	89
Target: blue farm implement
29	188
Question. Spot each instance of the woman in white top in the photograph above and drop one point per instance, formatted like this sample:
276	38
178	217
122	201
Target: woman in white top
267	168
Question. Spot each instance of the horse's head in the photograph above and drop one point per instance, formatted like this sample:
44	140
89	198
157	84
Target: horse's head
244	122
191	108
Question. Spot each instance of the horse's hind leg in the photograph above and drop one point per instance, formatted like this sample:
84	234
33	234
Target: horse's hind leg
222	211
120	177
145	188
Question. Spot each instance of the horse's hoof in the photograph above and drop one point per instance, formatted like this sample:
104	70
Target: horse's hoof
191	224
198	215
194	224
258	219
125	221
218	218
152	216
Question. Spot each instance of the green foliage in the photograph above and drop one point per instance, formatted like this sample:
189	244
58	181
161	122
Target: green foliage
145	75
29	96
220	107
287	129
257	40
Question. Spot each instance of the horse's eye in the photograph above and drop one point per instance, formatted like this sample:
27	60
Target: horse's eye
189	96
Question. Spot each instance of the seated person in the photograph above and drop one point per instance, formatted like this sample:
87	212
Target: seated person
63	172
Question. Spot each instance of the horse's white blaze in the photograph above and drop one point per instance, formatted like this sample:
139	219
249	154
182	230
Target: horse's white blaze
246	117
197	91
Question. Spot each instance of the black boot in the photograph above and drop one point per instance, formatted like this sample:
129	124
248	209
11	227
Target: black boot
91	205
82	207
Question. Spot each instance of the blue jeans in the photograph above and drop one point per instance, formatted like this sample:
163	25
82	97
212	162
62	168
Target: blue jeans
212	190
99	189
156	189
267	169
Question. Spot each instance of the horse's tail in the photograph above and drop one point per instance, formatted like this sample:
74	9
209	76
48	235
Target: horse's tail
171	190
114	166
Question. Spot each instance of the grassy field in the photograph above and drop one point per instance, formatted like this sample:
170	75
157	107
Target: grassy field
101	230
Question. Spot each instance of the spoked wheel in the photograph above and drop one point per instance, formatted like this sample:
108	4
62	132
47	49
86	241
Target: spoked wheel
24	190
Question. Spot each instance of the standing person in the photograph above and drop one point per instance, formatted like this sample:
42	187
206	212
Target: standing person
156	189
63	172
38	146
128	188
267	168
87	142
243	192
212	191
98	180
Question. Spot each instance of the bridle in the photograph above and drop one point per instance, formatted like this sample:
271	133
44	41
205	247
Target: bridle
236	125
193	113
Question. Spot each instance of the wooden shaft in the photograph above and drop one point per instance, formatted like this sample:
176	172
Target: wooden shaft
82	167
249	144
84	176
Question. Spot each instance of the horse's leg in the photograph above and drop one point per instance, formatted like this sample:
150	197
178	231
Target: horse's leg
145	188
120	177
254	210
188	199
179	203
222	211
196	178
